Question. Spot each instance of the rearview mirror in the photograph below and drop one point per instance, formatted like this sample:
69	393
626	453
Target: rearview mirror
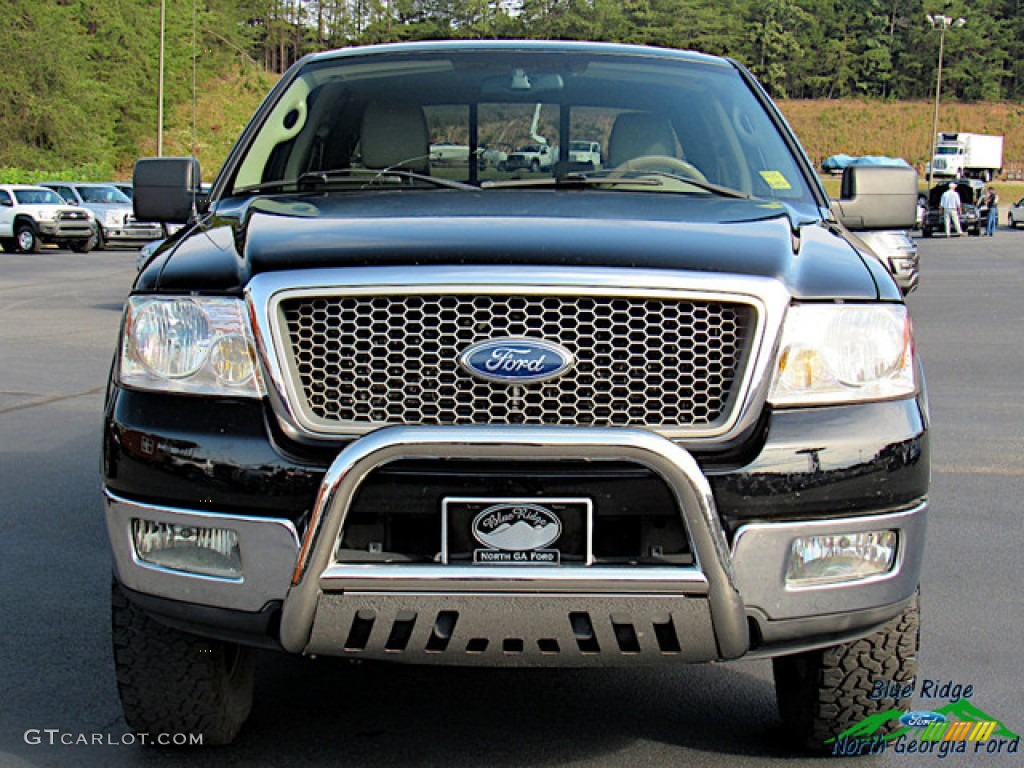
520	83
877	197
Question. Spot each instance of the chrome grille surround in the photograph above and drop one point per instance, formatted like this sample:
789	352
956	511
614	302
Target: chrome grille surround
602	315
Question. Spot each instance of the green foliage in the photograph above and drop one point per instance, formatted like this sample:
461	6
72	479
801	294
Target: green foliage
80	86
89	172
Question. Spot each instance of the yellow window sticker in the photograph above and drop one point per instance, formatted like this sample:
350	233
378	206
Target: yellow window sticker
775	180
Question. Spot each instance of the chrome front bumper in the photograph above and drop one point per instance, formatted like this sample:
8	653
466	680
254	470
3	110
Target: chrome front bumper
66	229
525	615
133	232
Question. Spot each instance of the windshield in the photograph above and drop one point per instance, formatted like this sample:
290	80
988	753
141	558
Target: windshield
457	115
37	197
102	195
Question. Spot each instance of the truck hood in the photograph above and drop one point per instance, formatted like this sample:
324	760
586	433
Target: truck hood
242	238
47	212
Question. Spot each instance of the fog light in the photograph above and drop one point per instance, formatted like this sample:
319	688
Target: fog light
834	558
206	551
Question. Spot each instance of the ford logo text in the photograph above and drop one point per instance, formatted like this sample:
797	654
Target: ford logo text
517	360
921	718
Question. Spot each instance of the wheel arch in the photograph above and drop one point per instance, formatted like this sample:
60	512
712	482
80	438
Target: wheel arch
24	218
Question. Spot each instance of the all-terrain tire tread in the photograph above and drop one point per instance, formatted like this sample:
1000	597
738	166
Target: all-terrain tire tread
824	692
172	682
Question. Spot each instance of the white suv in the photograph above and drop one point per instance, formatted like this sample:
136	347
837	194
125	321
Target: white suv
115	218
31	216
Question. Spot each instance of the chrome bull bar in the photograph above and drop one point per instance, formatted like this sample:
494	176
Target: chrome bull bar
314	612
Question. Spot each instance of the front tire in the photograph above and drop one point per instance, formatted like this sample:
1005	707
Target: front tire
27	239
173	682
823	693
101	241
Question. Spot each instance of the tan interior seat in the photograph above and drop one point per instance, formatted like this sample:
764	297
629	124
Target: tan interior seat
640	134
395	136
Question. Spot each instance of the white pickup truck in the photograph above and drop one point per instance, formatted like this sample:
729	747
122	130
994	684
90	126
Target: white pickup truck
31	216
532	157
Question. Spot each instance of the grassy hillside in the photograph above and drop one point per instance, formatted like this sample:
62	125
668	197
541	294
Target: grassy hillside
899	129
223	108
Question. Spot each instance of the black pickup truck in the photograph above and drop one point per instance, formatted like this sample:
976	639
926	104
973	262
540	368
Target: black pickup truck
661	412
972	216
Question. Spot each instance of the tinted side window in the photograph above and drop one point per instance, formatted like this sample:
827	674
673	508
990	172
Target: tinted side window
67	193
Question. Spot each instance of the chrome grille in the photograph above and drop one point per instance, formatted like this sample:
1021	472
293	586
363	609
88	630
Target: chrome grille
360	360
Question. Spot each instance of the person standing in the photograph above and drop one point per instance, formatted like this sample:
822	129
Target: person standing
950	205
992	200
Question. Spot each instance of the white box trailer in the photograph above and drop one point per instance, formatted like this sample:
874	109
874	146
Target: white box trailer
969	155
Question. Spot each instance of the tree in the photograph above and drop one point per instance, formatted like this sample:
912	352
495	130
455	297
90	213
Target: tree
773	42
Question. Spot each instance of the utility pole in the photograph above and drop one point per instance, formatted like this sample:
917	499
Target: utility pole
160	87
940	22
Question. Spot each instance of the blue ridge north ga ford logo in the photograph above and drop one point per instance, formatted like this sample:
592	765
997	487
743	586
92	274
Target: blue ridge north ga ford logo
516	533
517	361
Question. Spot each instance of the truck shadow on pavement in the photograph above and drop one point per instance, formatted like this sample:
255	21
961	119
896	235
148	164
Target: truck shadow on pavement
400	715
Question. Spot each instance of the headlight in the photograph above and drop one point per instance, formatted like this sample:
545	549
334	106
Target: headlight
112	218
842	353
194	345
886	243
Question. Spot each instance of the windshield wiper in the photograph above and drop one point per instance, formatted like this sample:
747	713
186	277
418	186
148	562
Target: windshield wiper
631	178
363	177
379	176
569	180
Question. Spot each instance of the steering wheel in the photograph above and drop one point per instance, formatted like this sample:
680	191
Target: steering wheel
664	163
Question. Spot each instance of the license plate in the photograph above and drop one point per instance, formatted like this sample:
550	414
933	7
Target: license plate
516	531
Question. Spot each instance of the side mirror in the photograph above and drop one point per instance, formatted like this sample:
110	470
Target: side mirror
877	197
166	189
7	202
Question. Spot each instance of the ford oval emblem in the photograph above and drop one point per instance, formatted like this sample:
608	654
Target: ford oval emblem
516	527
921	719
517	360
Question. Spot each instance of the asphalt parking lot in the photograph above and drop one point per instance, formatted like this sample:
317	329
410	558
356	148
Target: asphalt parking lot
59	314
